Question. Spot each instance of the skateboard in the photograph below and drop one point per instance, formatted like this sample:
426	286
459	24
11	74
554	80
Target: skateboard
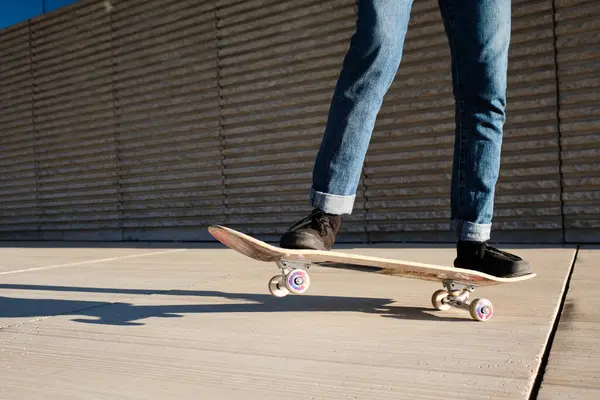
294	264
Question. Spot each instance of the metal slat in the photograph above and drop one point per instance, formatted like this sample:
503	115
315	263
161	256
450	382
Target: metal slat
578	39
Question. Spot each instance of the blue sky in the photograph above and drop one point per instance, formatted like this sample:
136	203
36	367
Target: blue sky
15	11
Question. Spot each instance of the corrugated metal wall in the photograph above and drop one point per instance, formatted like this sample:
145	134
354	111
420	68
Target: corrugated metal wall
18	149
148	120
167	105
74	124
578	55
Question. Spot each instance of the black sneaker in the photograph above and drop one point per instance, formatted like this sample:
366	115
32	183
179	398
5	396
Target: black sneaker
479	256
315	232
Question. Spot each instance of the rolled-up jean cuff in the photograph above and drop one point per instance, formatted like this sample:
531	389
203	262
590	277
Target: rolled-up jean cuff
469	231
331	203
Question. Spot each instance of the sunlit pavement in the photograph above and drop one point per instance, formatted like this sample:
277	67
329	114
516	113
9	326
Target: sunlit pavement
113	321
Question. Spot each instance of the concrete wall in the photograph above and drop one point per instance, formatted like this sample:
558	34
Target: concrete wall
148	120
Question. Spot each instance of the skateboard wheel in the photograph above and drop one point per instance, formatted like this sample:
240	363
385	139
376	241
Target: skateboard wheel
481	309
297	281
437	300
276	287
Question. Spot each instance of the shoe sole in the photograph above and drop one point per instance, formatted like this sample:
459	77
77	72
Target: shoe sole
524	270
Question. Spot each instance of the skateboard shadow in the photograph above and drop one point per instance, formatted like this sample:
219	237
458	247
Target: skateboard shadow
127	314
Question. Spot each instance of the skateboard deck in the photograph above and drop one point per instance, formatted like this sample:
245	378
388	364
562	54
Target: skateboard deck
294	264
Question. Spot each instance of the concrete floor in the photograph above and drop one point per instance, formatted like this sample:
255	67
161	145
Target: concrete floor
118	322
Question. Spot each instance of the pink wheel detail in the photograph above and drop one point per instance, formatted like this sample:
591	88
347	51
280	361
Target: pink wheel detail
297	281
482	310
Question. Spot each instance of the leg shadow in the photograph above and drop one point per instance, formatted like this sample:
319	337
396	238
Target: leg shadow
129	314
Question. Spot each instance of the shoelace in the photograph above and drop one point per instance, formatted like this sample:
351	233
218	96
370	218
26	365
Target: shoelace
324	223
318	217
492	250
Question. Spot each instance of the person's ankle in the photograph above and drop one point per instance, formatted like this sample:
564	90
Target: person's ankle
470	249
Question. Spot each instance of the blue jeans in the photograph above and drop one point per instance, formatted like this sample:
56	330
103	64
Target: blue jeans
479	34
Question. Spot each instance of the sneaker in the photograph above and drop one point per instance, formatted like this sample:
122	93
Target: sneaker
315	232
479	256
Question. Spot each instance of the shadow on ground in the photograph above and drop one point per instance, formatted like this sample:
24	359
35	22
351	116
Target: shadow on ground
128	314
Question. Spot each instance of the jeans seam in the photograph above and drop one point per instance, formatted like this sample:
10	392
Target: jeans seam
460	104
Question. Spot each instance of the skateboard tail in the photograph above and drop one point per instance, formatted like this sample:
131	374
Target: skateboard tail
223	235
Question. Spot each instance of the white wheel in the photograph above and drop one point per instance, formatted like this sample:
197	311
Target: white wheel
437	300
297	281
481	309
277	288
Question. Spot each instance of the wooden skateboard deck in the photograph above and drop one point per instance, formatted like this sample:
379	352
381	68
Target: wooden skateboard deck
294	263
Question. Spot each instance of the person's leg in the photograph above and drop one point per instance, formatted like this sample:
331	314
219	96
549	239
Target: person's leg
479	35
368	70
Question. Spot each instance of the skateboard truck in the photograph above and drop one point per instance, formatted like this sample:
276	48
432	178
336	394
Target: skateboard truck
292	279
457	295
